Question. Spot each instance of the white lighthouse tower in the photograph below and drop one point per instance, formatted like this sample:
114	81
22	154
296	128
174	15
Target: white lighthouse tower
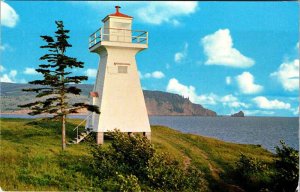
117	90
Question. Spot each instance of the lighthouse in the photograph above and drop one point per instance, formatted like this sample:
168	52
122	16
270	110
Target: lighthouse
117	90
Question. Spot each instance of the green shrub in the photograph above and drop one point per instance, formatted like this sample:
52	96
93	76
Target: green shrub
132	164
287	168
167	174
251	173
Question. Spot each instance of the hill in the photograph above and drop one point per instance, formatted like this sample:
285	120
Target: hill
157	102
33	161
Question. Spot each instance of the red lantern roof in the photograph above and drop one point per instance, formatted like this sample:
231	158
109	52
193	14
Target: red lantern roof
117	14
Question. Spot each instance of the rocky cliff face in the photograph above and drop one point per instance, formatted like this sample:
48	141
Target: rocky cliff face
157	102
239	114
162	103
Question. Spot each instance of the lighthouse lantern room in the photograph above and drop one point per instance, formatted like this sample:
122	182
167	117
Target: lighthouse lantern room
117	90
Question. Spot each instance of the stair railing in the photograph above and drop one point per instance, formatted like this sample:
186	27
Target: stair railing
76	128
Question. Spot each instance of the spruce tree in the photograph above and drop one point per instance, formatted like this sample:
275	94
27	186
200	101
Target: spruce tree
55	89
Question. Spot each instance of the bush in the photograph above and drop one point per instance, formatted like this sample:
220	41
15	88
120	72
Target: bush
251	173
287	168
282	175
167	174
132	164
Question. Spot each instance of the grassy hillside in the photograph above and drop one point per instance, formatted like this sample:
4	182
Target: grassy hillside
31	157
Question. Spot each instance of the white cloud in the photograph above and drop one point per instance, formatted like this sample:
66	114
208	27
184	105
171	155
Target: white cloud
6	78
233	102
155	75
218	47
91	73
257	112
246	84
264	103
180	56
158	75
2	69
13	73
10	77
30	71
207	99
228	80
152	12
9	17
165	12
297	45
174	86
288	75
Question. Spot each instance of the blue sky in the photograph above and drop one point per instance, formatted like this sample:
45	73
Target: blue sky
227	56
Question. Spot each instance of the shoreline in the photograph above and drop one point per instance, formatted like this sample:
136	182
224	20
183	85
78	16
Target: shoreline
25	112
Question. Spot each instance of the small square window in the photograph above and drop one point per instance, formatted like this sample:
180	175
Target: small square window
122	69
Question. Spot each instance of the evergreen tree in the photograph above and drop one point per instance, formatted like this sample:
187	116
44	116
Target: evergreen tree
57	85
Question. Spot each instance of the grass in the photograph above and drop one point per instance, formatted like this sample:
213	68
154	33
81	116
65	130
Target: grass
31	156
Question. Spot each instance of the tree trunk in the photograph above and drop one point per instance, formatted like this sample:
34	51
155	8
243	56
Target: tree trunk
63	126
63	132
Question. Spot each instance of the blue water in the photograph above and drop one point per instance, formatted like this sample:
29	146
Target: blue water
265	131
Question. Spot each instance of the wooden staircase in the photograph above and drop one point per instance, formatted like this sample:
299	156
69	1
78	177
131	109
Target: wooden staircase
81	136
88	130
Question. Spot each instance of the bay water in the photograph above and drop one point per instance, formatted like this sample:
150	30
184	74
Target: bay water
265	131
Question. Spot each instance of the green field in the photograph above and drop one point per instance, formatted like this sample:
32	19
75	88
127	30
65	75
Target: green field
31	157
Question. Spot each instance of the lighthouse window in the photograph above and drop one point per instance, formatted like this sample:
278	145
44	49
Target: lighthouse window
122	69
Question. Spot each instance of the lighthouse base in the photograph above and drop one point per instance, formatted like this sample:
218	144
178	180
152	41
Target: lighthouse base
100	138
148	135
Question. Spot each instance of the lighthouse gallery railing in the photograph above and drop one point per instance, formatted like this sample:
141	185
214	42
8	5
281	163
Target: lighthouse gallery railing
118	35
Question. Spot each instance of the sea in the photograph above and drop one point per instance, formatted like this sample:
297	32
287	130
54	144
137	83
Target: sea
264	131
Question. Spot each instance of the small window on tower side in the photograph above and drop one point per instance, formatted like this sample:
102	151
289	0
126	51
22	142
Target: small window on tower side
122	69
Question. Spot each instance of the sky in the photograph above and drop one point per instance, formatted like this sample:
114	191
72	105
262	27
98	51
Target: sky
226	56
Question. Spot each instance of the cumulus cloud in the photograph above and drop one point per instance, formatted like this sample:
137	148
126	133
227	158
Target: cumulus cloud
207	99
288	75
264	103
152	12
218	47
228	80
258	112
155	75
30	71
10	77
180	56
174	86
9	17
233	102
5	78
91	73
246	84
165	12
